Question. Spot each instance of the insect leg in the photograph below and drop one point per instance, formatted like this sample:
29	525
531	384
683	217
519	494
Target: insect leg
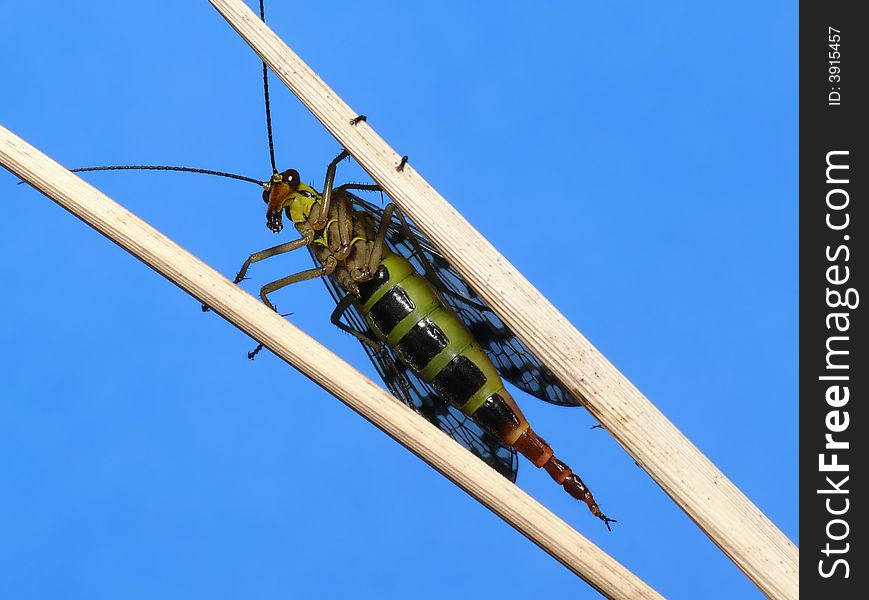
364	187
273	251
285	281
327	191
429	271
426	264
345	228
377	249
295	278
267	253
345	303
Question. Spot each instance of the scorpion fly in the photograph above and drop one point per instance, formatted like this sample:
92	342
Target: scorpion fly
435	343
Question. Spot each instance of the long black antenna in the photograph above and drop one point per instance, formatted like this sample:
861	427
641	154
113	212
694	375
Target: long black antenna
168	168
262	15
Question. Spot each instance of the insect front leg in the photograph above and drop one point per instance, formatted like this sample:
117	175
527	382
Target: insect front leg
268	253
303	241
267	289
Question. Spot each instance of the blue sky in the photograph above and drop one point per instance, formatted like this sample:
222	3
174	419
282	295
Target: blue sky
144	456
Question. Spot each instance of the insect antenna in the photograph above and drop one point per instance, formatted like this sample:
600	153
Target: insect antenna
262	16
207	171
168	168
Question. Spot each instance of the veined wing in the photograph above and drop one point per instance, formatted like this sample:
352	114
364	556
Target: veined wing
416	393
511	357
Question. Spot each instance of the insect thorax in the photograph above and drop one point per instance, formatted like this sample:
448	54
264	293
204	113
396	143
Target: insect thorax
353	264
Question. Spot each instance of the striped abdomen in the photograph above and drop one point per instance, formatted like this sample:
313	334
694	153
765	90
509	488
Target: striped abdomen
405	311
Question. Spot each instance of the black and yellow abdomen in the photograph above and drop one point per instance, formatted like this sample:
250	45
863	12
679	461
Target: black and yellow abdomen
405	311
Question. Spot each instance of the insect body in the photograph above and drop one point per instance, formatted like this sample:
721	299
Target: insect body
404	309
408	326
435	343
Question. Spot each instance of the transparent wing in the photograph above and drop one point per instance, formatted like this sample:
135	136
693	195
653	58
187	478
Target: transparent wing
511	357
416	393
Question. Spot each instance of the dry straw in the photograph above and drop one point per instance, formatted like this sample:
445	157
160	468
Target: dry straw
332	373
721	510
710	499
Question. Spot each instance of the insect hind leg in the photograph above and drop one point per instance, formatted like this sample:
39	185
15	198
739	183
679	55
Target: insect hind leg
430	273
378	346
